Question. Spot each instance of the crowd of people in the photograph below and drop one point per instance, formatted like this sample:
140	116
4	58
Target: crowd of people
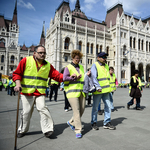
34	75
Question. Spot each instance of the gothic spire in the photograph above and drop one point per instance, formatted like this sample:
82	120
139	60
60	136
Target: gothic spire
77	6
42	40
14	20
43	30
15	10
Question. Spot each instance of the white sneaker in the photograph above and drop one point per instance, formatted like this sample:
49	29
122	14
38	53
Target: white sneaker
66	110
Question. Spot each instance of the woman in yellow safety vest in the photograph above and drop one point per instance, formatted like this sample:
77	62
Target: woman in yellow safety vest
135	90
73	78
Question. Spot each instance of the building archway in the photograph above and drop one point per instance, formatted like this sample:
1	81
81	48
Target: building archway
140	68
132	68
148	72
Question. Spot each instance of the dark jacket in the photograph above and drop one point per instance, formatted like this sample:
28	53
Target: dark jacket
136	91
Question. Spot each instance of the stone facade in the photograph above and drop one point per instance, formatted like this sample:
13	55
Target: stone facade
124	37
10	52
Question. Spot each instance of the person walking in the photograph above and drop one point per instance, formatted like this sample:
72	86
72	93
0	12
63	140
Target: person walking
67	104
1	85
113	85
101	80
47	88
54	89
135	90
31	76
73	85
12	85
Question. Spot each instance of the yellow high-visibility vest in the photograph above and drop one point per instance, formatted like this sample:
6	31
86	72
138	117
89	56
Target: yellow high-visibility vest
112	82
103	78
33	79
53	81
74	88
134	80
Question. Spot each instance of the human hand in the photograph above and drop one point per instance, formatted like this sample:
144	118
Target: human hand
74	76
61	89
78	77
89	73
18	88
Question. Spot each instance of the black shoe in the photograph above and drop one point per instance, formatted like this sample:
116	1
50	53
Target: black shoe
109	126
20	135
112	110
100	112
94	126
48	134
138	108
55	100
128	106
50	100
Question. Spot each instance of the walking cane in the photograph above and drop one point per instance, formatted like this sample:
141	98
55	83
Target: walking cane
15	147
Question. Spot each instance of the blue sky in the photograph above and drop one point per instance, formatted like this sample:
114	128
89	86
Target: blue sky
32	13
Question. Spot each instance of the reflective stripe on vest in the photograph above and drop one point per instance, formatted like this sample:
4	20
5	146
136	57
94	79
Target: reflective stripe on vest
53	81
103	78
134	80
112	82
33	79
74	88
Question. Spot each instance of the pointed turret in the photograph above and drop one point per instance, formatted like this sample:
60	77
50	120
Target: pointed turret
77	6
14	20
42	40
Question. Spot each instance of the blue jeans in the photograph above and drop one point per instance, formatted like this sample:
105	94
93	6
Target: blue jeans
137	102
111	100
107	107
99	106
8	90
47	91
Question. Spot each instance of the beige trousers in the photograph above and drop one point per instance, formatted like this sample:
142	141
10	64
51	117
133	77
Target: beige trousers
78	106
27	109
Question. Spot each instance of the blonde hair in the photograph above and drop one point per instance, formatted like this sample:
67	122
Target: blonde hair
76	52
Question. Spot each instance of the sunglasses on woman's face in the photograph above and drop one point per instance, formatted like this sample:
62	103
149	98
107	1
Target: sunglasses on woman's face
104	57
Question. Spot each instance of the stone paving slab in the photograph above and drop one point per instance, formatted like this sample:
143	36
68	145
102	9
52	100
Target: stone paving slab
132	133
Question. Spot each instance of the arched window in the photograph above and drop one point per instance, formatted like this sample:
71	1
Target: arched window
2	58
80	46
12	59
139	44
122	21
21	58
123	74
142	44
67	40
2	40
124	49
67	18
130	42
91	48
134	43
87	50
107	50
101	48
96	49
147	46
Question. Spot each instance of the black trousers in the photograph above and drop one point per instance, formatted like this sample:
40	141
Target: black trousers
67	104
12	91
54	88
1	87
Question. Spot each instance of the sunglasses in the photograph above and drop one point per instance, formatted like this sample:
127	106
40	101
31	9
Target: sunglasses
41	53
104	57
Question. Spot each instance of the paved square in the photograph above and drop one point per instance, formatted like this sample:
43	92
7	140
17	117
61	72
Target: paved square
132	133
